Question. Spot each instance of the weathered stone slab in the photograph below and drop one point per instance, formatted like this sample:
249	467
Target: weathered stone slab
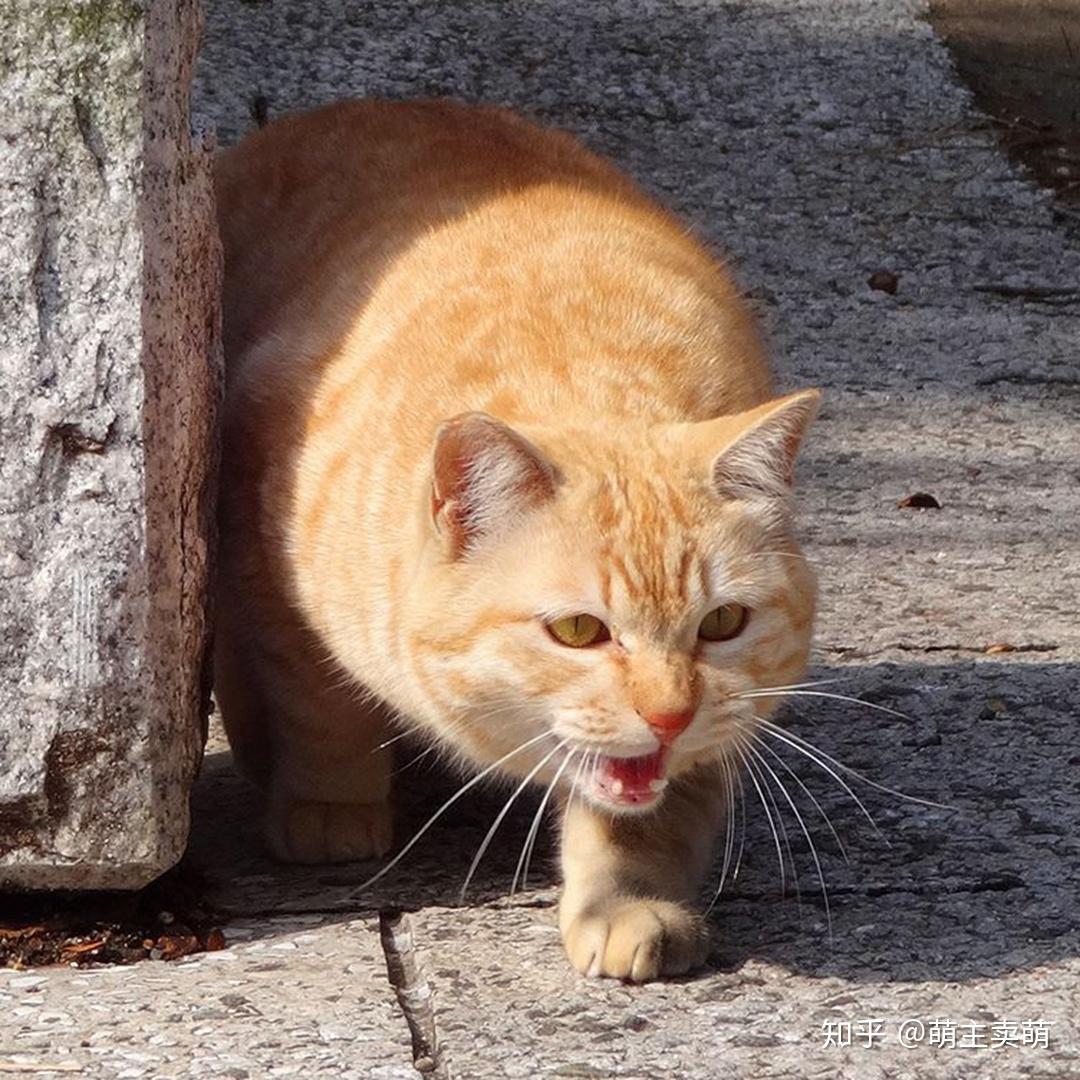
109	378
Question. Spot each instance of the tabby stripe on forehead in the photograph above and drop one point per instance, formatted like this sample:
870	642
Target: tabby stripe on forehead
618	564
705	577
605	577
604	511
653	567
677	506
682	577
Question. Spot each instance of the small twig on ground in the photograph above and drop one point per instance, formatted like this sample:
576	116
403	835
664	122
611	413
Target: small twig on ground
413	993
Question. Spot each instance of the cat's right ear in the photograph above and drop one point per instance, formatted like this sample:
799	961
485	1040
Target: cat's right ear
485	476
760	459
751	455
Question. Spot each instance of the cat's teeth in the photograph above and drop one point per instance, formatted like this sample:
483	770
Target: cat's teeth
658	784
616	788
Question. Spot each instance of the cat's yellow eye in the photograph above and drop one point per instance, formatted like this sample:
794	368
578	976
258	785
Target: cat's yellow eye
577	631
723	623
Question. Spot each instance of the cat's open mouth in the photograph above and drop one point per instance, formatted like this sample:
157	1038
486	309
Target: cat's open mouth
634	782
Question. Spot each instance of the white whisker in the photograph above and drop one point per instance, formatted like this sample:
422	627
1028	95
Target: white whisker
768	815
783	827
575	786
776	729
446	806
784	736
806	833
742	825
768	691
729	832
391	741
502	815
751	694
521	871
806	791
433	748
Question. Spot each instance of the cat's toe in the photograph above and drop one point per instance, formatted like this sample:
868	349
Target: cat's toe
636	939
303	831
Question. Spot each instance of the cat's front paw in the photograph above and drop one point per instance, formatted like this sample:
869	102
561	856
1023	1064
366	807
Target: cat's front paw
303	831
635	938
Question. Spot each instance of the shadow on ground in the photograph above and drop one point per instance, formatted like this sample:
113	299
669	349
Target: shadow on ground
1021	59
988	887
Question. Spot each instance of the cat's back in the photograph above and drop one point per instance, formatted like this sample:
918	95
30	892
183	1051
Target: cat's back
395	232
314	206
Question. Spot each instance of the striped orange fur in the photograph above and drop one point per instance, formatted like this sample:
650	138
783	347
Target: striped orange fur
478	382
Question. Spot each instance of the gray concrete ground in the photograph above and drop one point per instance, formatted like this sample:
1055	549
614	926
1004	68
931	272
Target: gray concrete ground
815	141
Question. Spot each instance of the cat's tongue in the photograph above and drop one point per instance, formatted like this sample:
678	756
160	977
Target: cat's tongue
632	781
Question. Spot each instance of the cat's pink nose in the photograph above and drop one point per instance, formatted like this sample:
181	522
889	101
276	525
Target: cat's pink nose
667	726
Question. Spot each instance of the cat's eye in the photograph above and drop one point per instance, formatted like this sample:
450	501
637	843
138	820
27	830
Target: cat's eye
723	623
578	631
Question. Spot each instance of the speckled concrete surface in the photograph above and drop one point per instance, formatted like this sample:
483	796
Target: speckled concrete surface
816	141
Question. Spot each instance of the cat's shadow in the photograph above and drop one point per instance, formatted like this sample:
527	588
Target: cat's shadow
990	886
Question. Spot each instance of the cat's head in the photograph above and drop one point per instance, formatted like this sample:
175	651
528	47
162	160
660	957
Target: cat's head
610	594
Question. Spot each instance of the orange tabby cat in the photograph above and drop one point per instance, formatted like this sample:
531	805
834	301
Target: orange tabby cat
500	462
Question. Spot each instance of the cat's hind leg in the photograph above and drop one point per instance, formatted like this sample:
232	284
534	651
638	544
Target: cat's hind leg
315	750
329	791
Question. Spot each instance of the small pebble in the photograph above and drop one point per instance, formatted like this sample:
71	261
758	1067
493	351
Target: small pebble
919	500
884	281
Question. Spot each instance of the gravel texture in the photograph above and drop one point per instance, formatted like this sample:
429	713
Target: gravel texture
816	142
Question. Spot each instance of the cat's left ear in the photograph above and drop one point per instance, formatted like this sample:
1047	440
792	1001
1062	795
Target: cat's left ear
752	454
485	476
